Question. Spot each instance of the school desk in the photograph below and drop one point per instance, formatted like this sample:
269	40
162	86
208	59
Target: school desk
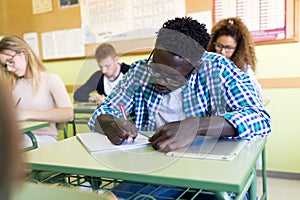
27	126
147	165
82	113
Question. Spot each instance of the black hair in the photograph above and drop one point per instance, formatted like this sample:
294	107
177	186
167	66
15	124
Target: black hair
183	36
190	27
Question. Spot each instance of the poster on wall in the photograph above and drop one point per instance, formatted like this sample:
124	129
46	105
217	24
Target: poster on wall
265	19
117	20
41	6
67	3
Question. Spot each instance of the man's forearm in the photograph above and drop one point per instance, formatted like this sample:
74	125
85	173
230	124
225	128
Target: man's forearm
216	126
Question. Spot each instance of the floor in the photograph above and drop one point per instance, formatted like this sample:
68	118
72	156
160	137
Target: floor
279	189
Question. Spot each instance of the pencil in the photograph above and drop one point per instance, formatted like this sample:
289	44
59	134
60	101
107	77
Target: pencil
123	111
18	102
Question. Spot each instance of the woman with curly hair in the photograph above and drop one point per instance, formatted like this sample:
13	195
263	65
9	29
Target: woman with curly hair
231	38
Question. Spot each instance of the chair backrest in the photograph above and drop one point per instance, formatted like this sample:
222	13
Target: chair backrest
64	127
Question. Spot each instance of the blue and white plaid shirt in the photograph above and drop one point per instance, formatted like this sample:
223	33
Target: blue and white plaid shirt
218	88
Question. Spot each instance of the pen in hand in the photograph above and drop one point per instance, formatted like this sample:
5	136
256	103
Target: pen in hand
123	111
18	102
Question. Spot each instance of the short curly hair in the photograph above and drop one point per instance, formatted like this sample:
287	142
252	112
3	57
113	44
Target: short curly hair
235	28
185	37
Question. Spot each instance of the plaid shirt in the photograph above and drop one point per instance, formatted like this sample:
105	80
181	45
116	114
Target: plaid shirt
218	88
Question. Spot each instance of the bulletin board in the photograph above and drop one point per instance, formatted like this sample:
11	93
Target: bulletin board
17	18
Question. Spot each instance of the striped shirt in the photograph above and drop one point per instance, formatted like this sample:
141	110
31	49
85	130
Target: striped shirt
218	88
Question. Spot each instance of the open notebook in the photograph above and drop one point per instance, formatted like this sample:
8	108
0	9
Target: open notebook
211	148
96	142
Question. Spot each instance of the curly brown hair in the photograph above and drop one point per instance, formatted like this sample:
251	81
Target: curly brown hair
235	28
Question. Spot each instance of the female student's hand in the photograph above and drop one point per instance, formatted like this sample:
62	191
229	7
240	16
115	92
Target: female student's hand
175	135
117	129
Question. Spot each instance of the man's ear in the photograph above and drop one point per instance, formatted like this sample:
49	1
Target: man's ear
117	58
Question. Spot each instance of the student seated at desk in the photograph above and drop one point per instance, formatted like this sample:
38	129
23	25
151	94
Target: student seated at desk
231	38
103	81
10	156
38	94
184	91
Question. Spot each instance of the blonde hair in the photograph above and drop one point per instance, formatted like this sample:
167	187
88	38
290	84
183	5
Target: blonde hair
235	28
10	138
34	64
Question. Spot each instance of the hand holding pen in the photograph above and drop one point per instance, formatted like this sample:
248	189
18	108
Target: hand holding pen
129	138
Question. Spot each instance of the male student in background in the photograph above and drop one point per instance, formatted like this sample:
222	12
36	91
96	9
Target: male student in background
102	81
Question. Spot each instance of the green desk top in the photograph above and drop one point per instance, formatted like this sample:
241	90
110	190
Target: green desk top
145	164
84	107
30	191
26	126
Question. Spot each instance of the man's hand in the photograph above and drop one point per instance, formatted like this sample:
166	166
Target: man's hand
175	135
98	98
117	129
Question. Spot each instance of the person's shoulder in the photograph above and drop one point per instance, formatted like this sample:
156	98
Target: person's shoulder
45	75
97	73
214	57
124	67
218	61
138	63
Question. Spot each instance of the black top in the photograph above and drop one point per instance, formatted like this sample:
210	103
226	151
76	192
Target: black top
95	82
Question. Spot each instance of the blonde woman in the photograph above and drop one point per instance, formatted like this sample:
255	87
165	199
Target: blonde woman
37	93
231	38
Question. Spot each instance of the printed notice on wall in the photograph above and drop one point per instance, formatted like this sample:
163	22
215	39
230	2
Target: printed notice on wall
265	19
117	20
41	6
32	41
62	44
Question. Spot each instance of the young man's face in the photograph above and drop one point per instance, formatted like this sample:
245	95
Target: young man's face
109	66
169	71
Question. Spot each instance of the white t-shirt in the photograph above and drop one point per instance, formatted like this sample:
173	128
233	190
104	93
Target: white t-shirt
253	78
171	108
109	85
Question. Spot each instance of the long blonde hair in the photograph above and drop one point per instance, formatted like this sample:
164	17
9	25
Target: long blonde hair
34	64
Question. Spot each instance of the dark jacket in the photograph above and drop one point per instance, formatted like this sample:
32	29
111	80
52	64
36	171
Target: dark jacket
95	82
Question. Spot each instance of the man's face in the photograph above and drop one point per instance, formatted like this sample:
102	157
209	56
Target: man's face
169	71
108	66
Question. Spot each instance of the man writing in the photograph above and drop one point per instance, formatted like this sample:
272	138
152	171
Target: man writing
102	81
180	92
183	92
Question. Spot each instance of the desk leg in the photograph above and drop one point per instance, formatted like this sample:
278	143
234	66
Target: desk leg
264	174
33	140
252	189
74	127
221	195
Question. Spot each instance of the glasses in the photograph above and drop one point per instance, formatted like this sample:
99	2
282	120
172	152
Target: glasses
10	61
220	47
107	65
175	81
